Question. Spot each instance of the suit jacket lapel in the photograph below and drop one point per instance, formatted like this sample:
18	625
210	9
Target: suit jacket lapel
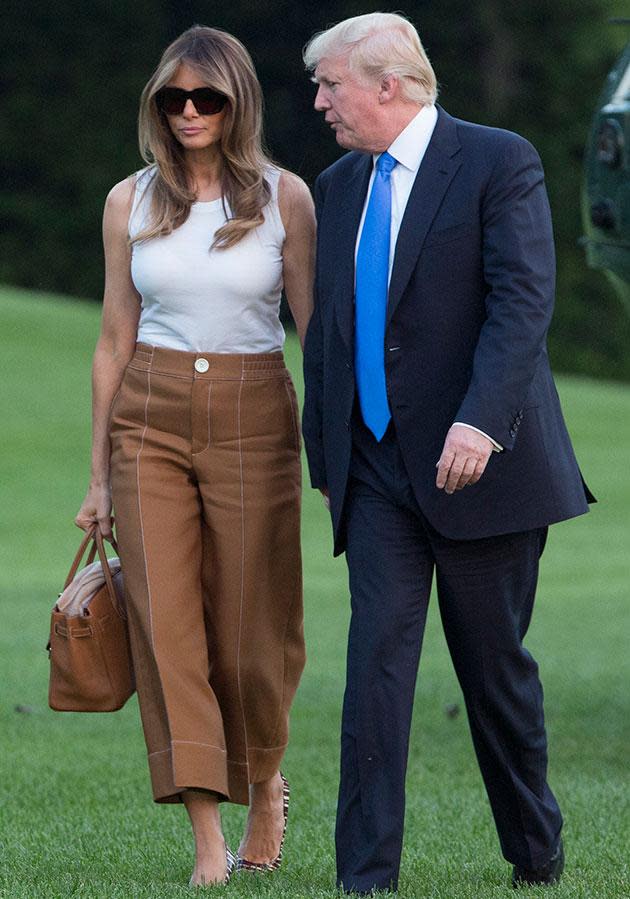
349	201
436	172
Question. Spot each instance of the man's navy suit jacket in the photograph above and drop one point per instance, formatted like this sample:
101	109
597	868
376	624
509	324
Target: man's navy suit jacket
470	301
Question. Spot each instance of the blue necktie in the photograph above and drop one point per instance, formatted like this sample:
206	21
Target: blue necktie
372	271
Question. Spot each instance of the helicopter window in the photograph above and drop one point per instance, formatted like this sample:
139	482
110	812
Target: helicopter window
622	94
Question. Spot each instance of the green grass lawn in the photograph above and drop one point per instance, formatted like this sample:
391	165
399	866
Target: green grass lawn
76	818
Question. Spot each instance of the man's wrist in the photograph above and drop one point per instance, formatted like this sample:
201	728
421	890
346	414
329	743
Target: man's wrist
496	447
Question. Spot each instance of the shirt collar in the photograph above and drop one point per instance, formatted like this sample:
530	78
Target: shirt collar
409	147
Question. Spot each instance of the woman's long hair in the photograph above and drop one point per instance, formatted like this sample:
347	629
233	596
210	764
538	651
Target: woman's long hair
224	65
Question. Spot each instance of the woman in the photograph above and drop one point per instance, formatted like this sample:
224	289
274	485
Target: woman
195	426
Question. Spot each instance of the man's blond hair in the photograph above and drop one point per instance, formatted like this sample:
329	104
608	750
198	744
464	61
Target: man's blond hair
379	44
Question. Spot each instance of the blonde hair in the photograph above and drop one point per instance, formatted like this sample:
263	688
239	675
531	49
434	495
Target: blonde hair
379	44
224	65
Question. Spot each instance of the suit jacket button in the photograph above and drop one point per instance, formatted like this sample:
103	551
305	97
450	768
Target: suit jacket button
348	423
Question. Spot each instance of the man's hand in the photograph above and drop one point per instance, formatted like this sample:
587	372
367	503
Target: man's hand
324	493
463	460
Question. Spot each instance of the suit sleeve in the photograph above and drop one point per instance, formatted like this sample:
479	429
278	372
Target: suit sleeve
519	269
312	417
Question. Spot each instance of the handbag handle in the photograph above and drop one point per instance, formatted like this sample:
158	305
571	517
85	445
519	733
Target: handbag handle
90	534
95	535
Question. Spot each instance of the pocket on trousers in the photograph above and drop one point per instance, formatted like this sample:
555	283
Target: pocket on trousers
258	414
128	403
295	413
112	407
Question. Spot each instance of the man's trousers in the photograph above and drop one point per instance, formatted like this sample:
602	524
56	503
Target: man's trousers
486	593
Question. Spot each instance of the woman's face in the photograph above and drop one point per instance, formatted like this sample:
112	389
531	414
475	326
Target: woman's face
194	131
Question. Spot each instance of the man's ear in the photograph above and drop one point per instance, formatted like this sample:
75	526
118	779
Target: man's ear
389	88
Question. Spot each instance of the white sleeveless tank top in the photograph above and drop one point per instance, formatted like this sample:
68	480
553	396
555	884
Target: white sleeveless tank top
202	300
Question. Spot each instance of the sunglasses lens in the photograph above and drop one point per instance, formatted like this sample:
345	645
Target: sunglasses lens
207	101
172	100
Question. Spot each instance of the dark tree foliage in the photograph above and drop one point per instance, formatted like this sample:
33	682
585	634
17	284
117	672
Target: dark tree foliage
71	74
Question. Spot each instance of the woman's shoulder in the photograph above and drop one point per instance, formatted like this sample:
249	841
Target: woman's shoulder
294	195
275	174
118	205
291	185
121	196
140	204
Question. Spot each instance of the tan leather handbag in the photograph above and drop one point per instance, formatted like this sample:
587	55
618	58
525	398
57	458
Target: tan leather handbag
90	657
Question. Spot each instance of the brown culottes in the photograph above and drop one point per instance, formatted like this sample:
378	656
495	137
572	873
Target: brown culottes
206	475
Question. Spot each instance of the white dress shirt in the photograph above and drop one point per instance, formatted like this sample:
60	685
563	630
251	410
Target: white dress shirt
408	150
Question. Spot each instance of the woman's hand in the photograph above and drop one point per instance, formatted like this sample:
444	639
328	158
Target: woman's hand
96	508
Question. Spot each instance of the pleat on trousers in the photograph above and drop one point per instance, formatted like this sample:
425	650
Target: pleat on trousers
206	477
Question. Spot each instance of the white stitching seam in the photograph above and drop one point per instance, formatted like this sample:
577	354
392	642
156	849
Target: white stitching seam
240	619
189	743
197	743
144	551
208	412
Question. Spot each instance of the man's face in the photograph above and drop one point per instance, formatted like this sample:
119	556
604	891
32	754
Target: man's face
350	103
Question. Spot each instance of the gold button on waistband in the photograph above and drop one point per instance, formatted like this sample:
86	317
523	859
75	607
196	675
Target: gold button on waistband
202	365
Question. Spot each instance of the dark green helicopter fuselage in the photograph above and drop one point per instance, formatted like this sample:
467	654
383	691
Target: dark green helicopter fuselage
606	193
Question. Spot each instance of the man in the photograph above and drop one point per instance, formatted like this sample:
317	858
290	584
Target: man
435	284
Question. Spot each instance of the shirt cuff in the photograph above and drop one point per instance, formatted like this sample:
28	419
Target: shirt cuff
496	447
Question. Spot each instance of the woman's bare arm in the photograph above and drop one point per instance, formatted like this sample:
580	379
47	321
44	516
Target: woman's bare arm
298	254
114	349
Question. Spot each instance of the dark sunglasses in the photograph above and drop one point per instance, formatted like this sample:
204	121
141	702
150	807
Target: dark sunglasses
172	100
